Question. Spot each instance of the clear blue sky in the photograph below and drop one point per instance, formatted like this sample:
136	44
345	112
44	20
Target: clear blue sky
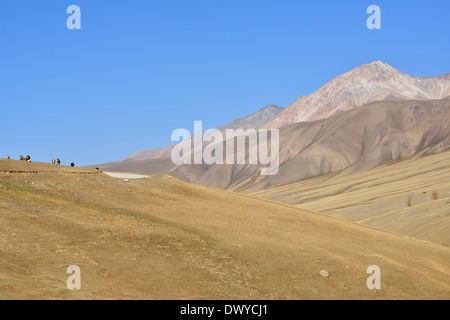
139	69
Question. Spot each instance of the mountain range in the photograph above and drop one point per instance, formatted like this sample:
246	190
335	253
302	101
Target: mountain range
362	119
376	81
359	139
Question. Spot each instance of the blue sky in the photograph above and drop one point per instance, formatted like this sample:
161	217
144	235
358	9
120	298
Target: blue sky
137	70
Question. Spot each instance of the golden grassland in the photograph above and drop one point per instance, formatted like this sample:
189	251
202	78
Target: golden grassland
161	238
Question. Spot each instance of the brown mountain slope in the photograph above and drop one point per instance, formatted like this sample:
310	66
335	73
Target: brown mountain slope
357	140
411	197
367	83
160	238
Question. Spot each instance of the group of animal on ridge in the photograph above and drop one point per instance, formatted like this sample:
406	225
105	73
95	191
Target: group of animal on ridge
28	159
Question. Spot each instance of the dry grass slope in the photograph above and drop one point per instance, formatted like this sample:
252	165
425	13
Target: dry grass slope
161	238
411	197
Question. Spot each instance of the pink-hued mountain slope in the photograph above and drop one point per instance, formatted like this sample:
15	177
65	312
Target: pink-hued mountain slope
376	81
